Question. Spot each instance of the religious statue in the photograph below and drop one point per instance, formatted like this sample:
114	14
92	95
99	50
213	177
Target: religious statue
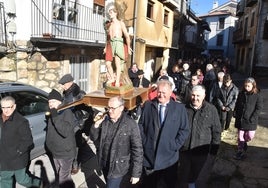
117	48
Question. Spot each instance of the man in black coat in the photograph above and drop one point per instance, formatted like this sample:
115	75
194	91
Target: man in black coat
204	138
72	93
120	152
60	139
16	142
133	75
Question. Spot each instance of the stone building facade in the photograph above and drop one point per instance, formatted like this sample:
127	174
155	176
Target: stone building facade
42	72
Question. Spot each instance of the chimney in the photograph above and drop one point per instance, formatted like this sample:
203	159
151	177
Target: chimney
215	4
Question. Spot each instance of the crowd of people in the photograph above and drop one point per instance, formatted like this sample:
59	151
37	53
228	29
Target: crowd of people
167	146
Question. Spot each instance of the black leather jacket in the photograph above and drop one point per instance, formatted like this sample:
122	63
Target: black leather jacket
126	153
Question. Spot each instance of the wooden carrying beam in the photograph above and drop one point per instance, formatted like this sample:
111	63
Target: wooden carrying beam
100	99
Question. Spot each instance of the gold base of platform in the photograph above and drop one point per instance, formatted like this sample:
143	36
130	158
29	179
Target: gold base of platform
122	90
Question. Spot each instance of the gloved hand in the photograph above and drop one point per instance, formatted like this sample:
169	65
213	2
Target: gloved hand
53	112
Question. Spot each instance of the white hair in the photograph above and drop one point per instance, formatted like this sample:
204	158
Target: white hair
185	66
199	88
209	66
221	74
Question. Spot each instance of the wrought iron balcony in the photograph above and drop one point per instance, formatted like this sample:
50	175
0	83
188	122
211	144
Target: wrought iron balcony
250	3
240	8
2	26
241	36
66	20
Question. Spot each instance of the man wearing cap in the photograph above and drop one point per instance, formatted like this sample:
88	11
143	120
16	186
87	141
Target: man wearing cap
143	82
71	93
133	74
60	139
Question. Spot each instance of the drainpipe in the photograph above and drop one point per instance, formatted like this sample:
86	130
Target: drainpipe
134	31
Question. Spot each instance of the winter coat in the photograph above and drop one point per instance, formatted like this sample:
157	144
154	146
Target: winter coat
161	145
60	139
227	97
134	77
247	110
209	79
185	79
16	141
205	128
72	94
213	93
126	152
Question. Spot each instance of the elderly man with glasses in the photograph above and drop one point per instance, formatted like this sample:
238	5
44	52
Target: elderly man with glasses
119	146
16	142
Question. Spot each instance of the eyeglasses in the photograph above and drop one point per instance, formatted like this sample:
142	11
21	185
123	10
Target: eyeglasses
113	108
7	107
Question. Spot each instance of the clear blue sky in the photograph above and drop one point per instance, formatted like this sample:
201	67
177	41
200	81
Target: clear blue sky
201	7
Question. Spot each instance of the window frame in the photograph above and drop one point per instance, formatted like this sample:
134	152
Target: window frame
221	23
166	17
150	10
219	41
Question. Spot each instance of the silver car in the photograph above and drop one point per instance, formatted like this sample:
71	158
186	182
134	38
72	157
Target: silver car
32	103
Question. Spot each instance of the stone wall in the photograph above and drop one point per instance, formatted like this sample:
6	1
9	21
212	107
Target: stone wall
30	69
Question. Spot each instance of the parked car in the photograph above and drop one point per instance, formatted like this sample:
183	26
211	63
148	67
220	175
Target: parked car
32	103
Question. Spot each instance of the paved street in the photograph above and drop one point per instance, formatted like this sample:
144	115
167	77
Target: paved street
41	167
225	172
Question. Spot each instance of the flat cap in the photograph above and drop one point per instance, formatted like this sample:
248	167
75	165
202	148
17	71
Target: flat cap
66	78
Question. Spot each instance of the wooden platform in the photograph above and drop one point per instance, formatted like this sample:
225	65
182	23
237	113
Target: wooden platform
100	99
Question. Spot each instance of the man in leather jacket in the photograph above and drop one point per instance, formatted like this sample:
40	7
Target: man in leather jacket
119	150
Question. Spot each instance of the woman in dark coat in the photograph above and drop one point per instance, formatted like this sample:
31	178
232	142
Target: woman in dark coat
247	110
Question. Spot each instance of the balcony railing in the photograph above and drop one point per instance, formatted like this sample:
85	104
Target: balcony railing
63	19
240	8
2	26
240	36
250	3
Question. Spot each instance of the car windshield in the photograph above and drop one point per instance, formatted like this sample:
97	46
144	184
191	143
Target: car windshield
28	103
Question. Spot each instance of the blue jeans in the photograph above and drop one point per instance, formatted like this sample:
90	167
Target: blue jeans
21	177
113	182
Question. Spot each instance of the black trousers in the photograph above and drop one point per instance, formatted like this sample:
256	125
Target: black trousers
165	178
190	166
226	118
